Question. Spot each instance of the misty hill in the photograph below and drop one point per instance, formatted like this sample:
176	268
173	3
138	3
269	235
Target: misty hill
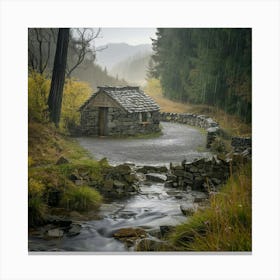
117	52
132	69
96	76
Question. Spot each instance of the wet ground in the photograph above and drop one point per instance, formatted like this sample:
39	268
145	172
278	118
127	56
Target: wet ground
178	142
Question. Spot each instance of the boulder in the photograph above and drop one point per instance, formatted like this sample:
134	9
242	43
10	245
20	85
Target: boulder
62	160
74	230
187	209
155	177
168	184
148	244
171	177
129	232
108	184
118	184
164	230
123	169
55	233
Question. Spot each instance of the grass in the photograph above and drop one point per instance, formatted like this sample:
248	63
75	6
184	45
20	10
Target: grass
233	125
50	185
46	145
81	198
225	225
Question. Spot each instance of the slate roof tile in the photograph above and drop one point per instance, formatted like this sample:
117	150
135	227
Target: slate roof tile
132	99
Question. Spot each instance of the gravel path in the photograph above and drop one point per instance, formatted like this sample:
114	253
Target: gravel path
177	143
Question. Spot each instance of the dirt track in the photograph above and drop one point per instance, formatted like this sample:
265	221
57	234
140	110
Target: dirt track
177	143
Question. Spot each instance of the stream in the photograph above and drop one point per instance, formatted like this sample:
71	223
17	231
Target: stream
153	207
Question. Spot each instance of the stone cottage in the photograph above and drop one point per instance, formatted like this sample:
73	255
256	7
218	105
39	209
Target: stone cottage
119	111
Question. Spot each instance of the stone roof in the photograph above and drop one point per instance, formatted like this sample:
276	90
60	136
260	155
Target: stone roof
132	99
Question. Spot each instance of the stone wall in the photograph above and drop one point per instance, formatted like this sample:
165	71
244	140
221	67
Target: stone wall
206	174
203	174
190	119
240	144
201	121
119	122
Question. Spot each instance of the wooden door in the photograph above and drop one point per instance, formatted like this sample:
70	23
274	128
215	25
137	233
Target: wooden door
102	121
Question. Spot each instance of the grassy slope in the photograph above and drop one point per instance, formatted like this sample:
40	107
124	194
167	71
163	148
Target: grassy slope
232	124
226	225
45	146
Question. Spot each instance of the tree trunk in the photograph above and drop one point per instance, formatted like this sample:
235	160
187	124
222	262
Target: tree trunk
58	75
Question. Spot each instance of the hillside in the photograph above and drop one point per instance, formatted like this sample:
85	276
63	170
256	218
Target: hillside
133	69
117	52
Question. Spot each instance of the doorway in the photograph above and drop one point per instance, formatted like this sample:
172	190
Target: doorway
102	121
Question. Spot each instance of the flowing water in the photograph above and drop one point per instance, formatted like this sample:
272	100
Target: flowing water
153	207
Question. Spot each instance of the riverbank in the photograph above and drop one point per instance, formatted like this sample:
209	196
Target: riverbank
161	212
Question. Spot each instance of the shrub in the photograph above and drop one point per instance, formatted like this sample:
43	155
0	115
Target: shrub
225	225
74	95
81	199
38	91
36	205
36	211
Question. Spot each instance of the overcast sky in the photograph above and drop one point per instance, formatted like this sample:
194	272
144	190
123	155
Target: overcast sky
131	36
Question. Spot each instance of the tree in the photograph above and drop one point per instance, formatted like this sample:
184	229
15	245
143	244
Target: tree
81	47
58	75
40	46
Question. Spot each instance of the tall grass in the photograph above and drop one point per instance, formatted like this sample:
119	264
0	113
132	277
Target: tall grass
81	199
226	225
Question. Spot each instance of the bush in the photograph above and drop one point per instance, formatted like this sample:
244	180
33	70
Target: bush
81	199
226	225
36	206
75	93
36	211
38	91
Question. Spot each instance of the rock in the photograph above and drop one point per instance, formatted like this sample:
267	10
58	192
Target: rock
55	233
216	181
73	177
155	177
187	209
147	168
108	184
131	178
58	221
179	172
168	184
171	177
79	182
164	230
62	160
199	196
129	232
74	230
118	184
123	169
148	244
76	215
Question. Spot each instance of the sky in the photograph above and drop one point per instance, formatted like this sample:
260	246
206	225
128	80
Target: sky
131	36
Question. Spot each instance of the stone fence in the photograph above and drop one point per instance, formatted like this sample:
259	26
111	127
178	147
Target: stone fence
201	121
205	174
239	144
